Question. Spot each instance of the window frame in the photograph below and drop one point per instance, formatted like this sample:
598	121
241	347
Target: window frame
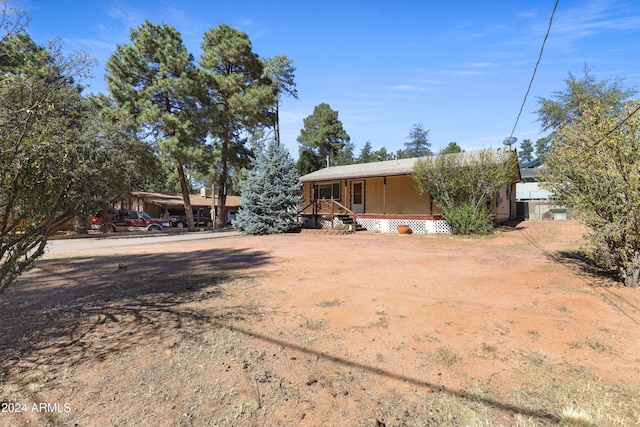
333	187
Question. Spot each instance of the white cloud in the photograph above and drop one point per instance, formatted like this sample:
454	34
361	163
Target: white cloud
593	18
408	88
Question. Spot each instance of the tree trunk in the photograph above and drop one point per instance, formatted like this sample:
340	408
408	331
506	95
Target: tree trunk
80	225
185	197
221	217
631	273
277	123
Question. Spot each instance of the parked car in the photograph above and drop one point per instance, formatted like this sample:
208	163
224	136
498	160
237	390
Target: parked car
180	221
103	220
127	220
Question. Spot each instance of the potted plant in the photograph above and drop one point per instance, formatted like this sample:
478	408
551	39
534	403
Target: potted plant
404	229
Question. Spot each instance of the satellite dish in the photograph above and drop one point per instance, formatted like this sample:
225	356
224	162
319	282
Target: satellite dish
510	140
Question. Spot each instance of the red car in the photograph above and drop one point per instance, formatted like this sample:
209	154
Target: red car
127	220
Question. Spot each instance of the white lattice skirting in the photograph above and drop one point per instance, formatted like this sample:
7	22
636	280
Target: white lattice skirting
378	225
419	226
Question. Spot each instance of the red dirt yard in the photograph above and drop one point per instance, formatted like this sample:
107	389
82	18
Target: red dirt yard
312	329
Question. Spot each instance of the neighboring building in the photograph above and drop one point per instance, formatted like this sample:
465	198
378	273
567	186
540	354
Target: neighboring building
383	195
159	204
529	187
533	201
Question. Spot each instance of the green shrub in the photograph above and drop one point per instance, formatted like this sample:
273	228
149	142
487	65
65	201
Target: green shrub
464	219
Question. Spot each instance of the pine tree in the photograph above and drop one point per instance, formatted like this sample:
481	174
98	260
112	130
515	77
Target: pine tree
155	83
240	99
271	196
418	145
323	136
526	151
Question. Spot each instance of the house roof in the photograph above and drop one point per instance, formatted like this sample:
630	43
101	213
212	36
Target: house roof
528	174
538	161
384	168
175	200
363	170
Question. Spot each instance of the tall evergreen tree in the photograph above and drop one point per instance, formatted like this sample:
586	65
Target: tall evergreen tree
239	98
280	71
366	153
418	145
452	148
542	146
382	154
346	156
569	104
322	136
271	193
526	151
579	94
155	82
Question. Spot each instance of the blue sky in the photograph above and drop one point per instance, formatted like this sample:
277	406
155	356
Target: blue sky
460	68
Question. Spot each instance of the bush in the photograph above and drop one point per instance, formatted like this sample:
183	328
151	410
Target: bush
463	184
594	168
463	219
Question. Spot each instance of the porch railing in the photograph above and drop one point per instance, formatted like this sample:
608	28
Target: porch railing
330	209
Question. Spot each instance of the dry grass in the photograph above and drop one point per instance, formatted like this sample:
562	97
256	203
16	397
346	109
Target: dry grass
246	388
446	356
228	355
329	303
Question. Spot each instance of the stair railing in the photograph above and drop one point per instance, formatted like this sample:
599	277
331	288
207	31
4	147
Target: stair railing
330	206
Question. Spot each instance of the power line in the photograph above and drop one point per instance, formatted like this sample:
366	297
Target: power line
620	123
535	69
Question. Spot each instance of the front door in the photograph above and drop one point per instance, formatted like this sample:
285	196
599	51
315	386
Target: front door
357	196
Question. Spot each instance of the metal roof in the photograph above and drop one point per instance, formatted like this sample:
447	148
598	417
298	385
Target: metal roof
538	161
384	168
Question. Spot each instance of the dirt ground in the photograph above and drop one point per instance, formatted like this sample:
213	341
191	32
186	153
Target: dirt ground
324	330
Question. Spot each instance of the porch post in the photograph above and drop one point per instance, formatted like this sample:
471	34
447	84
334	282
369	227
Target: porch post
314	208
347	187
332	219
384	196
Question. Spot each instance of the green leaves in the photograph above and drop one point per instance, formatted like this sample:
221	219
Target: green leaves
271	196
580	94
418	145
597	172
238	98
322	136
155	82
463	184
42	149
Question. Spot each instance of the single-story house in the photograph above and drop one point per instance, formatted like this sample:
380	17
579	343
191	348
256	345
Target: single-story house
380	196
159	204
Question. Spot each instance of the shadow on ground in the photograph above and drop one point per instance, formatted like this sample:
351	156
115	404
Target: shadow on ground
72	311
578	261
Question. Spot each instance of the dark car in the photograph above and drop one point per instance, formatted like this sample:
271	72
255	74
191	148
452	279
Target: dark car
180	221
127	220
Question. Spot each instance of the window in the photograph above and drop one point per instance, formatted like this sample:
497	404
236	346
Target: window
327	191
